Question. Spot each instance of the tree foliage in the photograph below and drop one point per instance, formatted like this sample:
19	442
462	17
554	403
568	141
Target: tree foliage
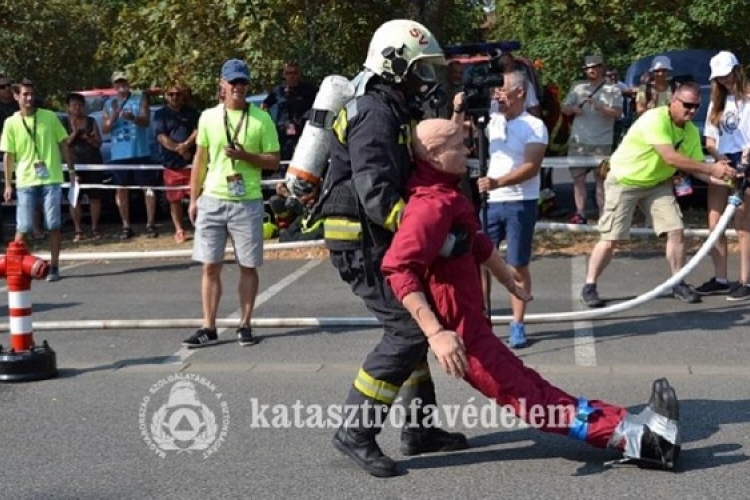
561	32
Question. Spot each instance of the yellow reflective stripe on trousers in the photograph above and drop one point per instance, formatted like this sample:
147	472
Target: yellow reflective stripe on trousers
375	389
342	229
420	374
394	217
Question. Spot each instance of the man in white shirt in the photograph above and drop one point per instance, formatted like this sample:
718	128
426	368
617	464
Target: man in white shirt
517	142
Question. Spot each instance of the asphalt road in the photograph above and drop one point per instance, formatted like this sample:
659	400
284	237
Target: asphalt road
86	434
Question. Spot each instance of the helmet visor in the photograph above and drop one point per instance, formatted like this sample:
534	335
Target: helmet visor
424	70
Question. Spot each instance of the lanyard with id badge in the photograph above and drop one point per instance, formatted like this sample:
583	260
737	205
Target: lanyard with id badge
40	168
235	182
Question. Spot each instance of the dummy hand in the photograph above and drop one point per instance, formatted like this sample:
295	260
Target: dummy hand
518	291
449	350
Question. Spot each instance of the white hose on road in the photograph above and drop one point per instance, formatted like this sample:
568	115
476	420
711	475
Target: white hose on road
372	322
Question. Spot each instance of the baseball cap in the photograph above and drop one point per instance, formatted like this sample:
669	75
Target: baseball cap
235	69
722	64
119	75
591	61
661	62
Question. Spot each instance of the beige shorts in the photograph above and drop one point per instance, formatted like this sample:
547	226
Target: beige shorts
578	149
658	201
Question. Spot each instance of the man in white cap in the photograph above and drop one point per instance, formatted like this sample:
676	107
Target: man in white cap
657	89
595	107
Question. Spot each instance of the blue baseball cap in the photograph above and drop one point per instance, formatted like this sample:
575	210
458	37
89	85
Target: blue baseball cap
235	69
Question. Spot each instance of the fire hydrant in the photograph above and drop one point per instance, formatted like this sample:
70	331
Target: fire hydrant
24	360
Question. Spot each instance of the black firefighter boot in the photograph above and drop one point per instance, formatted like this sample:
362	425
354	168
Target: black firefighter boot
359	444
652	438
417	438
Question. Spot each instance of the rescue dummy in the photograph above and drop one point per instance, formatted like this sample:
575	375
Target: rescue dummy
444	295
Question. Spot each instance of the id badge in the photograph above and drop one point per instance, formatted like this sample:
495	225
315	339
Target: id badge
236	185
40	168
291	129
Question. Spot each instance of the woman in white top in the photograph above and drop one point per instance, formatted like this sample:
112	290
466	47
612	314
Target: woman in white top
725	140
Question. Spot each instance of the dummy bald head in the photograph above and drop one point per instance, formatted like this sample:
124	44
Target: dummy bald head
432	135
440	142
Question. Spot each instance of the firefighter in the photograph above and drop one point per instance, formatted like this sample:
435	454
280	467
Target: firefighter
361	203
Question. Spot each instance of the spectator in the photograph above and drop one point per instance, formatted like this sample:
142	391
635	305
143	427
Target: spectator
235	142
127	117
33	140
509	65
454	84
293	100
84	141
517	142
657	89
176	126
8	105
660	142
594	106
724	141
613	78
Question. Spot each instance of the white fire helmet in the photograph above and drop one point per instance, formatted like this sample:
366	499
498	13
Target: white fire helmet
402	45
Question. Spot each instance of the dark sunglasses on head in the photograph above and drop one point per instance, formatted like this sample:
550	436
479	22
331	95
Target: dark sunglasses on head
689	105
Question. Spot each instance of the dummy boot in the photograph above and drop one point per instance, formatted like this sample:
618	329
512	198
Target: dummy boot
418	438
652	438
358	443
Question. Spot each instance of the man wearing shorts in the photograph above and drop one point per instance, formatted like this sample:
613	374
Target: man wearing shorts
33	140
127	117
662	141
236	141
595	106
176	126
517	143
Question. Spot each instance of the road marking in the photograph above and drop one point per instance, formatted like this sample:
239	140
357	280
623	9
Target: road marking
583	331
184	353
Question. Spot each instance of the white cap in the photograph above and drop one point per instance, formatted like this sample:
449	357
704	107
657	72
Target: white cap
722	64
661	62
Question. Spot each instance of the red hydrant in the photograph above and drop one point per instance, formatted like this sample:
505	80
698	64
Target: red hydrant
24	360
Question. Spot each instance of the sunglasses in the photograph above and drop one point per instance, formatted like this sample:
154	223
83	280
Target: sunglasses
689	105
240	81
3	87
173	94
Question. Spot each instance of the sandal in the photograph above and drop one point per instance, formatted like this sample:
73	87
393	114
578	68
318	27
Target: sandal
179	237
126	233
77	236
151	232
96	235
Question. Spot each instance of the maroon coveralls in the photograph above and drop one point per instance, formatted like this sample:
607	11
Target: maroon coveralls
453	288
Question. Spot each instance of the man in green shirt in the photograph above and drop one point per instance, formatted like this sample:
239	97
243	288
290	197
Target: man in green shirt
661	142
235	142
34	142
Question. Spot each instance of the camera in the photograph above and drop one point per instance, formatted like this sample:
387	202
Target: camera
478	87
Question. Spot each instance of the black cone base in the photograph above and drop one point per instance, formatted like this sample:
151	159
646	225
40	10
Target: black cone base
39	363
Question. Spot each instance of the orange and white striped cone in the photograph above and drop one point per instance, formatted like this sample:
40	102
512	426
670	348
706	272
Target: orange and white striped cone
24	360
